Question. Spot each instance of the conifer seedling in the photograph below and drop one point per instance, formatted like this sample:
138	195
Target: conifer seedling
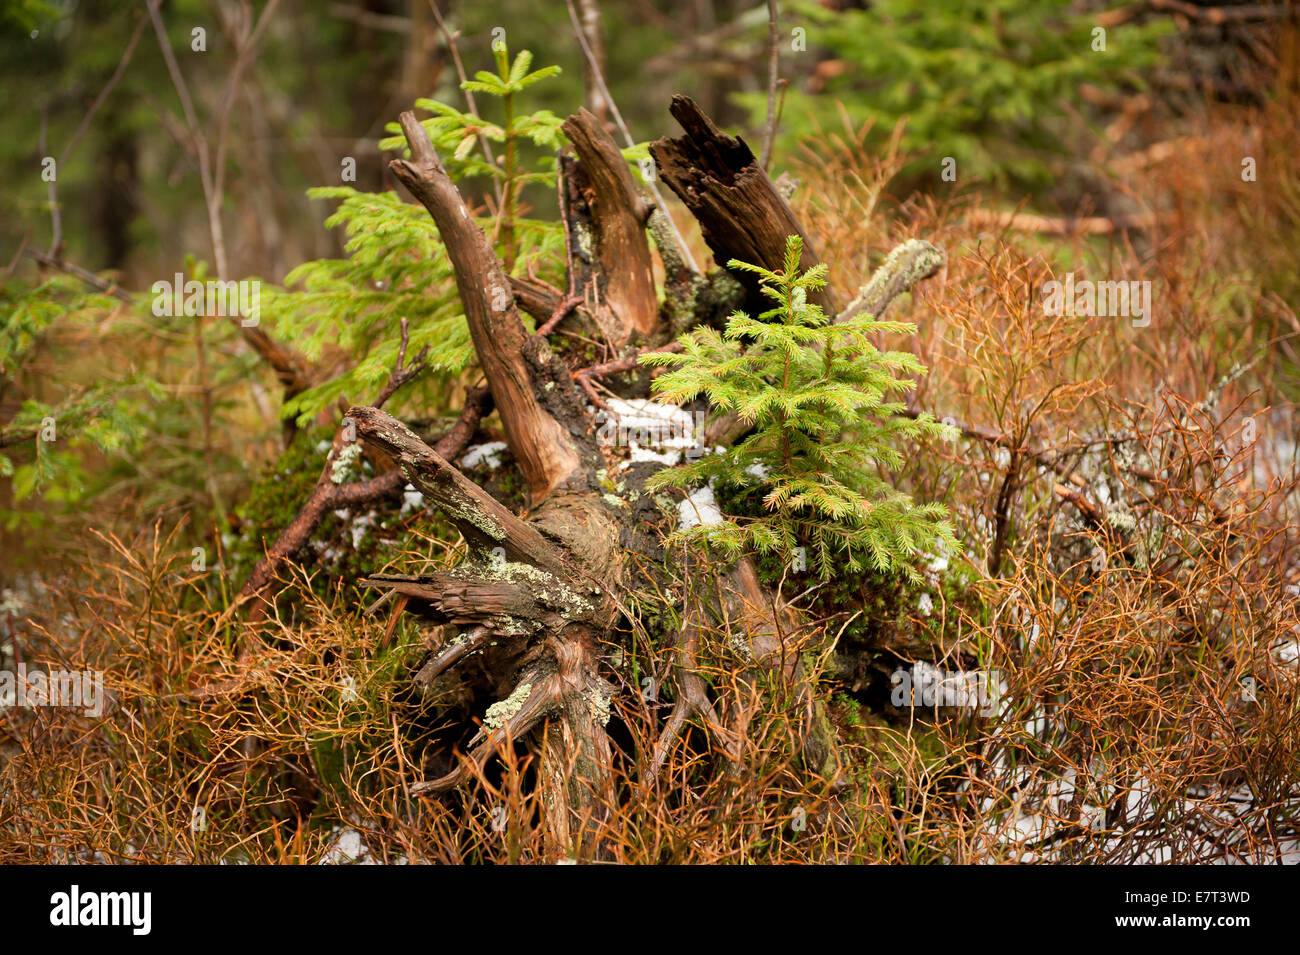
825	409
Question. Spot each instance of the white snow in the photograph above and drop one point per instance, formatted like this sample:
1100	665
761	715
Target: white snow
412	500
699	509
489	454
650	430
359	526
1287	653
640	455
672	424
348	848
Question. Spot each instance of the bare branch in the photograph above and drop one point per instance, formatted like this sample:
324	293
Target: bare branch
327	495
773	75
593	32
546	452
71	268
402	373
104	93
469	95
1059	225
558	314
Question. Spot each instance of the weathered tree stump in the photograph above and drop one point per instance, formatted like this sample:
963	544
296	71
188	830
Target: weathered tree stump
538	601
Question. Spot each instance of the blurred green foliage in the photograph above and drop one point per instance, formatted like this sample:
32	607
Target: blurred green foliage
993	85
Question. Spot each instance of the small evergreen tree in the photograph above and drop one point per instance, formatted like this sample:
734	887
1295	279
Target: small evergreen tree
396	267
825	427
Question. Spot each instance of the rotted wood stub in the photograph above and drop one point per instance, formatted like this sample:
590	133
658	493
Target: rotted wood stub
485	523
618	216
740	213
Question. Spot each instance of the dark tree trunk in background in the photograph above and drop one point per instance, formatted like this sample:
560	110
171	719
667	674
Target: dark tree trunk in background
116	204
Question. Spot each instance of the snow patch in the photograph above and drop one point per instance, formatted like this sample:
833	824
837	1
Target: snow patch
480	454
639	455
1287	653
699	509
641	425
348	848
412	500
359	526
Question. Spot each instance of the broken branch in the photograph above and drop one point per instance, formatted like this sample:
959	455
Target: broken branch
544	449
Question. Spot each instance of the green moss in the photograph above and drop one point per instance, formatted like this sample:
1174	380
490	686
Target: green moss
347	545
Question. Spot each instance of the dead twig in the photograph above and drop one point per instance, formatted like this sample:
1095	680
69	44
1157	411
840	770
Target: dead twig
773	76
402	373
327	495
583	376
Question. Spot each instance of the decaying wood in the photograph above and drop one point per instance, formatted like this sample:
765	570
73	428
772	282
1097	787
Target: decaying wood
1059	225
548	603
533	297
482	520
537	599
545	450
624	278
741	214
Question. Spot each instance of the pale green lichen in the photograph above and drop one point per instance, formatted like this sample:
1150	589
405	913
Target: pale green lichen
508	626
1121	519
344	466
600	707
740	644
498	713
897	275
469	514
584	239
548	588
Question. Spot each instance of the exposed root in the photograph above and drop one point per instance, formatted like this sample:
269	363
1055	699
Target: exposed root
542	697
692	699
